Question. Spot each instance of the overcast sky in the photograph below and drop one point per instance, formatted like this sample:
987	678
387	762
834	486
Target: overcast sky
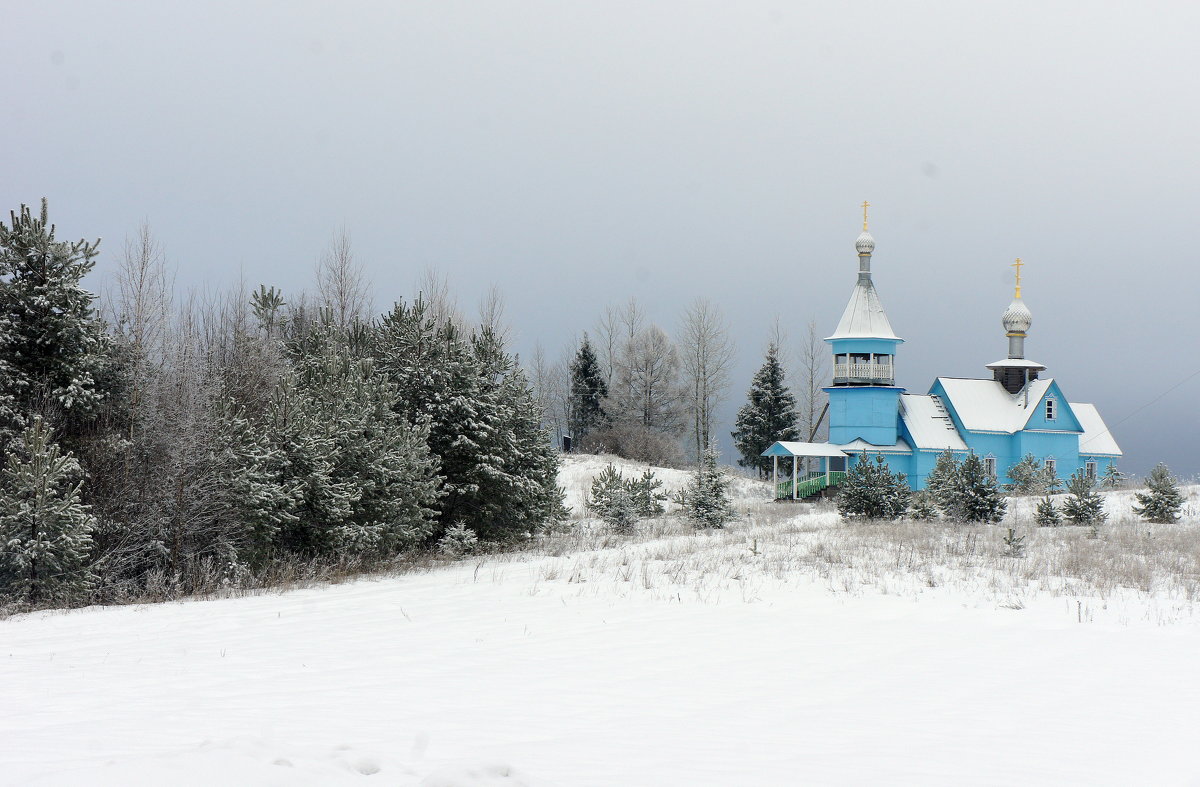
576	154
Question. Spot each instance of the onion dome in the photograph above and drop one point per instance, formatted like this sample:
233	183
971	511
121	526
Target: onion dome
865	243
1017	317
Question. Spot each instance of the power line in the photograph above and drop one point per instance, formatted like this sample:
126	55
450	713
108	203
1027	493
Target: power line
1143	407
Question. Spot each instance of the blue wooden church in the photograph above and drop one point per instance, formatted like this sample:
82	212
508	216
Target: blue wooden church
1001	419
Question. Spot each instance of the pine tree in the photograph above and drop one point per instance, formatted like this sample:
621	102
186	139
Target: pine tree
604	488
55	347
1113	477
1162	501
923	508
646	494
708	494
1084	506
942	482
976	496
45	532
768	416
1047	513
588	392
1027	477
1014	545
872	491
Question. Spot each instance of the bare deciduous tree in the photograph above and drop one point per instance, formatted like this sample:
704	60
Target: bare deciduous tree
814	375
706	354
342	285
434	289
491	314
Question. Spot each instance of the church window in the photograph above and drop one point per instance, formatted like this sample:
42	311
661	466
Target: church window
1050	410
989	466
1089	468
1052	466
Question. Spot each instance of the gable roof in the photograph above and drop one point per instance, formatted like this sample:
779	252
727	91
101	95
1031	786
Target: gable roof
929	424
864	317
985	406
1096	439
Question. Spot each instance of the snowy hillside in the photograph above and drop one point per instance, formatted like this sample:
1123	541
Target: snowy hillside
578	470
788	649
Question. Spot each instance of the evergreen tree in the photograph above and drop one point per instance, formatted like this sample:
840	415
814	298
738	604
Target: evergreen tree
1162	500
942	482
646	494
1027	477
1113	477
872	491
604	489
708	494
1014	545
768	416
1084	506
923	508
976	496
45	532
588	392
1047	513
55	348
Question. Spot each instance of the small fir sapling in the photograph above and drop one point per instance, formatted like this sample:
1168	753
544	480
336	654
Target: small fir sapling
872	491
1047	514
1084	506
708	495
458	540
1014	545
1162	500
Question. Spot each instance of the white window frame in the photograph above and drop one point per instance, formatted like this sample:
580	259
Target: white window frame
1051	410
1090	467
1052	465
989	465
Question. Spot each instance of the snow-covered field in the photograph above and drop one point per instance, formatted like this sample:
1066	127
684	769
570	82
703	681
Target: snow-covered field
790	649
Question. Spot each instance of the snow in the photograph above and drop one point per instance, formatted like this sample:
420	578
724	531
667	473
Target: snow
1096	439
985	406
864	317
577	471
672	659
930	426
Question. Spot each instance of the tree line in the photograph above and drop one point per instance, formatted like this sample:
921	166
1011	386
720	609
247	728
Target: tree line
158	444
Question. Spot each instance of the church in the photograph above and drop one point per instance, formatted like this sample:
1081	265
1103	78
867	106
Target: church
1001	419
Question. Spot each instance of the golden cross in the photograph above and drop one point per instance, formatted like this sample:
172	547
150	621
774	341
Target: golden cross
865	205
1018	265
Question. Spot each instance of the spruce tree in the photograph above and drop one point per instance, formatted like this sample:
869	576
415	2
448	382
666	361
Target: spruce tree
55	346
708	494
45	532
588	392
922	507
768	416
872	491
1084	506
1162	500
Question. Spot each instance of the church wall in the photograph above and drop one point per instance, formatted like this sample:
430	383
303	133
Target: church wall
1064	418
867	413
1063	448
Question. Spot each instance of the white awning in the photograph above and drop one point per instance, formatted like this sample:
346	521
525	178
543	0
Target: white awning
782	448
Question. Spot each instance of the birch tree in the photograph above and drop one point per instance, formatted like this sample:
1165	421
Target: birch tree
706	354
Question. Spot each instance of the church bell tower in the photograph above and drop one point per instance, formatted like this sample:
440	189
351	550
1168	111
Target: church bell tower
1016	371
864	400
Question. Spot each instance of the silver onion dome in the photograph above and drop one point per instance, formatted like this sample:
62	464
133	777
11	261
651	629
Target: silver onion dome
1017	317
865	243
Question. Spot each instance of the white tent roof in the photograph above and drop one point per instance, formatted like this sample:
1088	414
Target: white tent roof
929	425
985	406
808	449
864	317
1096	439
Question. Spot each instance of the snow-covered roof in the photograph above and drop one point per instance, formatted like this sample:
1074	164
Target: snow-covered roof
985	406
788	448
1096	439
1019	363
864	317
929	423
860	445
